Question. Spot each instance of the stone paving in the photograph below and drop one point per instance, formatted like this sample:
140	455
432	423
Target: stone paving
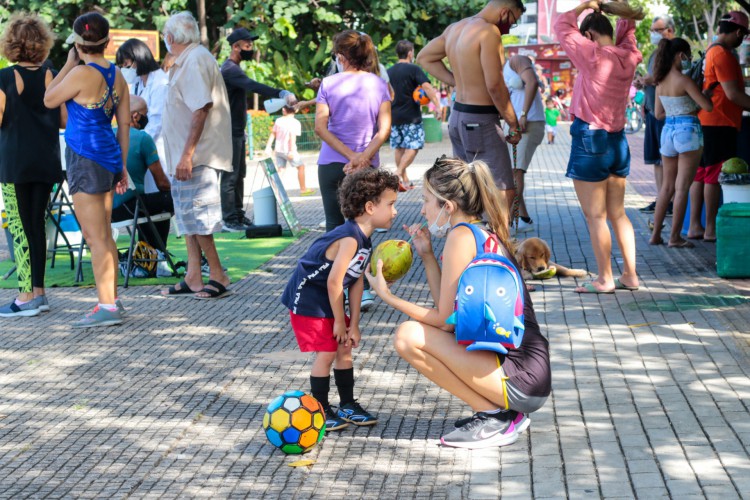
650	388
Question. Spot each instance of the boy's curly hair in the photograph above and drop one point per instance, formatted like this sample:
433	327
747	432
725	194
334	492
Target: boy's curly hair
362	186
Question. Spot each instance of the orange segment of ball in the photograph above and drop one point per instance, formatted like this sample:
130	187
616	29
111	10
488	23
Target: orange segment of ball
310	403
420	96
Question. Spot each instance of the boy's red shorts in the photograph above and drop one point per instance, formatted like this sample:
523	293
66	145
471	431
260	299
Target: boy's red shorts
314	334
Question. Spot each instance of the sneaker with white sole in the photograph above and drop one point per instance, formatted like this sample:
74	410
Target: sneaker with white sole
41	302
99	317
120	308
355	414
333	421
524	227
322	225
27	309
484	430
522	422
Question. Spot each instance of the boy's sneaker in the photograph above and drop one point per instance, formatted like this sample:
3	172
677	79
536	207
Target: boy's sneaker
367	300
99	317
484	431
41	303
648	209
355	414
333	421
30	308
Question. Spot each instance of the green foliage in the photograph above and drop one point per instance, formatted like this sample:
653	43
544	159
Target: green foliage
262	125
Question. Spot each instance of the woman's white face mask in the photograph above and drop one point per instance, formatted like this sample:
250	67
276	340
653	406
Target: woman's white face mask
442	230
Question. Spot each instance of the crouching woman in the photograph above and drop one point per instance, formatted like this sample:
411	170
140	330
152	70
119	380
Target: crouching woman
501	390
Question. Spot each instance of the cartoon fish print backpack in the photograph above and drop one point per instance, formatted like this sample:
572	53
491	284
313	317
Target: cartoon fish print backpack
488	312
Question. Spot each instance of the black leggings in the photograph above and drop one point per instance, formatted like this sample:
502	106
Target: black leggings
330	176
27	203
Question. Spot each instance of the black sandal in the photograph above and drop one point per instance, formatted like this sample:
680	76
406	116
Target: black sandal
218	291
183	290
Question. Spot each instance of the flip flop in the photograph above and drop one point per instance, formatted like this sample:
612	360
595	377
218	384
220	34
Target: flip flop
184	290
682	244
218	291
709	240
619	285
307	192
590	288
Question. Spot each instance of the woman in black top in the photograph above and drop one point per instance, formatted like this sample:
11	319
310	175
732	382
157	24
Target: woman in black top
30	159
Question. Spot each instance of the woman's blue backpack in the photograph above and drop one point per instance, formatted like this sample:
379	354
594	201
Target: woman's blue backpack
488	312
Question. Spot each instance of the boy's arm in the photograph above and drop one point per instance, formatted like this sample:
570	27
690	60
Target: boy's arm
271	137
347	248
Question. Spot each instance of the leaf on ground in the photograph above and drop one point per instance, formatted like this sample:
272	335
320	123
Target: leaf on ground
302	463
638	325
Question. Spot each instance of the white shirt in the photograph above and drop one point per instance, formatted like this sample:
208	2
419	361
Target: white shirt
154	92
194	82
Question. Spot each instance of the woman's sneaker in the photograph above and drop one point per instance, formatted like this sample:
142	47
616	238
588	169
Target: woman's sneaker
484	430
522	422
30	308
333	421
355	414
99	317
41	302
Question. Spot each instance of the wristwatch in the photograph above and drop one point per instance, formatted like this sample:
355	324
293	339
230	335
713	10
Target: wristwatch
523	113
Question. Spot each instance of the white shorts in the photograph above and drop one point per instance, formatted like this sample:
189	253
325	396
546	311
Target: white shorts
550	129
197	203
530	140
293	160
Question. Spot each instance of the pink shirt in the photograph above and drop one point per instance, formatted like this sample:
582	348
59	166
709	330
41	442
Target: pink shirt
601	89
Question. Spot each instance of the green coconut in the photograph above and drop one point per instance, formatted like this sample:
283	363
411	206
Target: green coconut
396	256
734	166
546	274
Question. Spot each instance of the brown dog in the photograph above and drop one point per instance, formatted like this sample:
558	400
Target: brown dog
533	255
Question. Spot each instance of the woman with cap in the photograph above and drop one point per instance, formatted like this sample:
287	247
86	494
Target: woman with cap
149	82
30	159
93	94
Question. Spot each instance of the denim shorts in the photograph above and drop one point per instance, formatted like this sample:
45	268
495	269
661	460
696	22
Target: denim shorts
681	134
597	154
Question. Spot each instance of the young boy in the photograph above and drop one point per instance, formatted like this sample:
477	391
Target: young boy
551	115
285	131
315	293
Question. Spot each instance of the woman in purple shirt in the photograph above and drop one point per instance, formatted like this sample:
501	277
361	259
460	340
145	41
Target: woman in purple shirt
352	117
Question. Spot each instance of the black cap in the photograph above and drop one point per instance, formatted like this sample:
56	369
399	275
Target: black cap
241	34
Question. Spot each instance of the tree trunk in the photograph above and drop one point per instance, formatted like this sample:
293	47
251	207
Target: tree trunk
202	22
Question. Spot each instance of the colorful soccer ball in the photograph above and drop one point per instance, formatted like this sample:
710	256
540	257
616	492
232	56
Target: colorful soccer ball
420	96
294	422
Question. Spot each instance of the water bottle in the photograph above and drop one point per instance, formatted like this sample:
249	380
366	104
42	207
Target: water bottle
274	105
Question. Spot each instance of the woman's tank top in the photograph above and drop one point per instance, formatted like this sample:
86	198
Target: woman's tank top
518	93
29	135
678	106
89	132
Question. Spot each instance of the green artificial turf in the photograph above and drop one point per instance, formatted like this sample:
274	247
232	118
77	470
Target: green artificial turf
238	254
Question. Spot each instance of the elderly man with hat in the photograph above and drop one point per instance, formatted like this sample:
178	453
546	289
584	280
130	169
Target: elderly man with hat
238	85
720	126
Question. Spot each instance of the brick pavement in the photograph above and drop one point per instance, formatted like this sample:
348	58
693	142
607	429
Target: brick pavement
650	389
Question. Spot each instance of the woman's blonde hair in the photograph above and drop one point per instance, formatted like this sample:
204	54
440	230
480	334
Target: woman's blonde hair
26	38
471	187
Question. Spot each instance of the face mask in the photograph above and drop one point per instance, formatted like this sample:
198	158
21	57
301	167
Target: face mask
655	37
142	122
440	231
247	55
130	75
685	65
339	66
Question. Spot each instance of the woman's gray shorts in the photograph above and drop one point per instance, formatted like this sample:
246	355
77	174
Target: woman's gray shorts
87	176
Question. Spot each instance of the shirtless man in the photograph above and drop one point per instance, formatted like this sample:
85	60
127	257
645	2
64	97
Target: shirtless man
474	49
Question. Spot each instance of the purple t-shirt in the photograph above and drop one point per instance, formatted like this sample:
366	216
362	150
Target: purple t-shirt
354	101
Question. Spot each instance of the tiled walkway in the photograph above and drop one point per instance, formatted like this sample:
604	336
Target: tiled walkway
650	388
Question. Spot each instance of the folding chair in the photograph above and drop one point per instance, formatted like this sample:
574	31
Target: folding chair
141	216
59	203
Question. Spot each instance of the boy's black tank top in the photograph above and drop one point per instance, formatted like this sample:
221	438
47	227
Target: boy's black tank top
29	135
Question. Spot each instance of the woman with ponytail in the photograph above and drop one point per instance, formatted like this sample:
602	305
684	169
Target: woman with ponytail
501	390
600	158
678	99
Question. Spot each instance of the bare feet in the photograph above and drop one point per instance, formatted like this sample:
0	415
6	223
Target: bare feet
680	244
656	241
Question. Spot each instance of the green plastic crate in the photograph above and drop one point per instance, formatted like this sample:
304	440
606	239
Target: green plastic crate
733	241
433	129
